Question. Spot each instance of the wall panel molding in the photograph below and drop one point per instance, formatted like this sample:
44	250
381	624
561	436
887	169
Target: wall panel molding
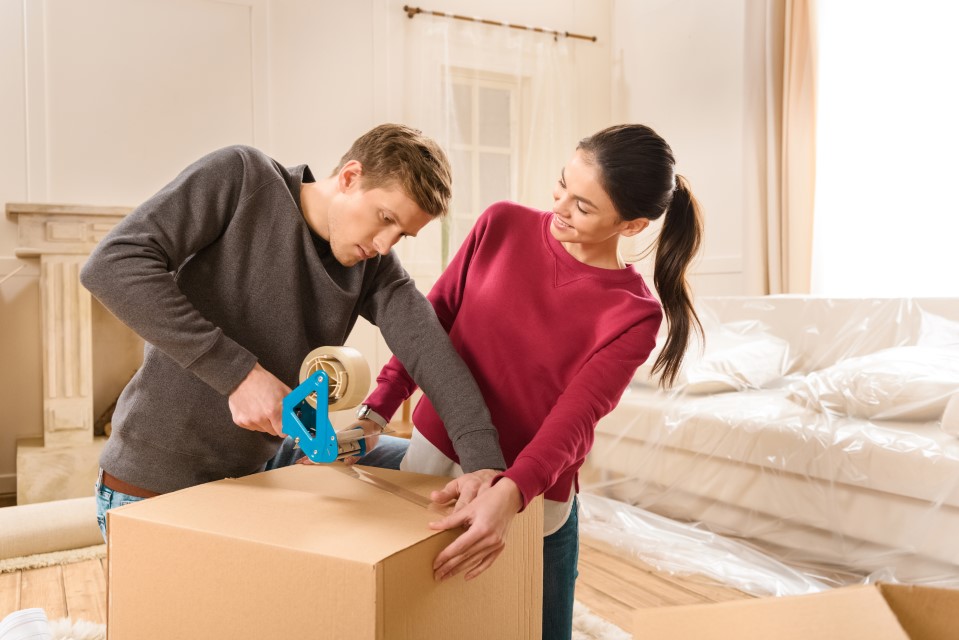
113	110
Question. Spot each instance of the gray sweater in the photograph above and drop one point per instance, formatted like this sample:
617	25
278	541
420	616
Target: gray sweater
220	270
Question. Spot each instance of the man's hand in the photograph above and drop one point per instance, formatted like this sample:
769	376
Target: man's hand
369	427
487	514
257	403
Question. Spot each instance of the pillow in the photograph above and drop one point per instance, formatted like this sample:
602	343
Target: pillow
738	356
937	331
902	383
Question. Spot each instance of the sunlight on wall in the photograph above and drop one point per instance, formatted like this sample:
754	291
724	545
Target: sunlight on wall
887	215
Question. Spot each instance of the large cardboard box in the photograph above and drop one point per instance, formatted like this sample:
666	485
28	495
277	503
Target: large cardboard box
311	552
865	612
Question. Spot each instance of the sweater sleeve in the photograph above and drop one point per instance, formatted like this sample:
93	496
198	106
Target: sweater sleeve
455	399
566	435
425	356
132	271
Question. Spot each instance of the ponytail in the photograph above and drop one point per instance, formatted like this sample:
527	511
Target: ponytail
637	170
679	241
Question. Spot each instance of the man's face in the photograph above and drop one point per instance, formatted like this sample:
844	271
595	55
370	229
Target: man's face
364	223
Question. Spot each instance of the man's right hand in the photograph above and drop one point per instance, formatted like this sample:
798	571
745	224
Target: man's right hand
257	403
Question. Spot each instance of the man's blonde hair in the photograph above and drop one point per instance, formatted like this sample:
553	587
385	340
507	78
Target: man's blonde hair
397	154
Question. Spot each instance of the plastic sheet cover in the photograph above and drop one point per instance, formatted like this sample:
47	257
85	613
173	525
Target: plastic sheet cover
811	443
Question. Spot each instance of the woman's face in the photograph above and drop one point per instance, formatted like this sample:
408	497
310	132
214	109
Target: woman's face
582	210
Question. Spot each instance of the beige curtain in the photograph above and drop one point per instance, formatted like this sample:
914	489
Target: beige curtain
780	145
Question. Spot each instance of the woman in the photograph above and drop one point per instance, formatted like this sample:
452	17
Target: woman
553	324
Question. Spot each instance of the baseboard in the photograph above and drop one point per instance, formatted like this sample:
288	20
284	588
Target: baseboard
8	484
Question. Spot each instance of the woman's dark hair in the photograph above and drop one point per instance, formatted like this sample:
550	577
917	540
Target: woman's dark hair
637	171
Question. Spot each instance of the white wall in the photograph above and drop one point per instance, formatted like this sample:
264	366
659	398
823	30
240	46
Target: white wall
104	101
680	67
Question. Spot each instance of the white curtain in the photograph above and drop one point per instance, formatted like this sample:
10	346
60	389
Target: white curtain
501	102
780	145
886	215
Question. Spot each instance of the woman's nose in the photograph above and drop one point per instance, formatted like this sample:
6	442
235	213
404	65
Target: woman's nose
561	204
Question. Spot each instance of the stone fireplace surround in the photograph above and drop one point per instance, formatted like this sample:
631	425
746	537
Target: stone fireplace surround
63	462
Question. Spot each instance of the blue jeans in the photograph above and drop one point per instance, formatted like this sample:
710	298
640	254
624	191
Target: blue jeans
108	499
560	560
387	454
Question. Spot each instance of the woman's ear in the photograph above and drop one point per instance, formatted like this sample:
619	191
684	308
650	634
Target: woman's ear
632	227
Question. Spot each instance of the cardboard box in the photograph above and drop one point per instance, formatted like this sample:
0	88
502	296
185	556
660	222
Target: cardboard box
311	552
865	612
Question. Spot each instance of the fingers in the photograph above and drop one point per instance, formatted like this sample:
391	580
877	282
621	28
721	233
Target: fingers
464	490
488	519
474	551
372	431
474	557
484	564
276	421
456	519
450	492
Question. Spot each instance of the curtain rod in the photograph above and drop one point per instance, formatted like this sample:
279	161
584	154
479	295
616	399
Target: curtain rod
412	11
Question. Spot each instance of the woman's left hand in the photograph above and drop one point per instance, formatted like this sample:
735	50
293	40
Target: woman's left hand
487	515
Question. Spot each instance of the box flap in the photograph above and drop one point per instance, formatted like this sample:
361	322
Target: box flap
926	613
853	613
304	508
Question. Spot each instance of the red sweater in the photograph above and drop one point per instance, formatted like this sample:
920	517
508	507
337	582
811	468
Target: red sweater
552	343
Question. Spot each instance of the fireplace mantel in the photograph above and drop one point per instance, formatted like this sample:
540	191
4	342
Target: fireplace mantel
61	236
61	229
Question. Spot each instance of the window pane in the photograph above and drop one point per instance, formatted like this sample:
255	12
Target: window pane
462	113
494	178
494	117
462	162
886	138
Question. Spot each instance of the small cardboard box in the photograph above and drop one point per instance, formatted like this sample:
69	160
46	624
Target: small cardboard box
864	612
311	552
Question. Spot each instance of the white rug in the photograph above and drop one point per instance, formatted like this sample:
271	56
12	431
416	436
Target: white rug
66	629
39	560
589	626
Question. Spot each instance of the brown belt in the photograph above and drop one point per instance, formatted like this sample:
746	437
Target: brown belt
116	484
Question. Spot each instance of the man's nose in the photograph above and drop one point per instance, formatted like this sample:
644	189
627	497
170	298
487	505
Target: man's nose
385	241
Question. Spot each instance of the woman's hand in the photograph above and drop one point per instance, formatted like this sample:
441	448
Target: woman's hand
465	488
486	512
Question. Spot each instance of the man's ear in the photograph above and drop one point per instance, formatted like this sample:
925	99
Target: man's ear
632	227
349	176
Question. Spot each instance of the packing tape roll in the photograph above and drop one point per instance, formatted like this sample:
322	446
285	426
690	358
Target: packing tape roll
348	372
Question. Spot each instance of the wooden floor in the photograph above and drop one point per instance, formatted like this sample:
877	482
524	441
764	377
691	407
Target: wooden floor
77	590
613	588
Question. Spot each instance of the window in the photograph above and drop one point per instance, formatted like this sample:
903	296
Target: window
886	216
484	150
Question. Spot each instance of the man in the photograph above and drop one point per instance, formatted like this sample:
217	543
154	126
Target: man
234	271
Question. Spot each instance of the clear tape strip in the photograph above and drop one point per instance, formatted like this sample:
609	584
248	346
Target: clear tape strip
398	491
